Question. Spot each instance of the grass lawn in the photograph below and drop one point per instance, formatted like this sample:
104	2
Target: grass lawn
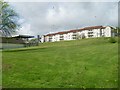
87	63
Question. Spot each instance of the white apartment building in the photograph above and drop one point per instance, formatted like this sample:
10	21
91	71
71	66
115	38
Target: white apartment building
87	32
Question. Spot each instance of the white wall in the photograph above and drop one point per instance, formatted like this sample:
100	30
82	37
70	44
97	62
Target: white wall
42	39
107	31
69	36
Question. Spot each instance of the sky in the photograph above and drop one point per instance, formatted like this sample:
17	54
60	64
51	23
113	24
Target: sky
38	18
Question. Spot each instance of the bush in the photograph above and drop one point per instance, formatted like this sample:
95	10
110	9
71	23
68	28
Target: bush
112	40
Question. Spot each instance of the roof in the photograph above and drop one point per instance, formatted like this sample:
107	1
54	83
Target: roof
76	30
93	27
23	36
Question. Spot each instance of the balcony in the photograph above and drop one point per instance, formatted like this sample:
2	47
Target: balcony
90	35
61	37
90	32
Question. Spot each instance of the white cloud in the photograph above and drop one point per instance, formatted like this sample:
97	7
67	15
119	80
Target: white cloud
62	0
25	29
43	17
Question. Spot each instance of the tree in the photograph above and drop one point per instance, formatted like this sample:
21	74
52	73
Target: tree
78	36
117	31
8	19
82	36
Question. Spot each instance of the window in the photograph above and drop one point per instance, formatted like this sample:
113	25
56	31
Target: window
50	40
61	39
90	32
74	37
61	36
50	37
90	35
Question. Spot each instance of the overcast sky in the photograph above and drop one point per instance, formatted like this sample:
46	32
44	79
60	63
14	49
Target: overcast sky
45	17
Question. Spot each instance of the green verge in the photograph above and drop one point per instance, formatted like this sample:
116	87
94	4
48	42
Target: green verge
87	63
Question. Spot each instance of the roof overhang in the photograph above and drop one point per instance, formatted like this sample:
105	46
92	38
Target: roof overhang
23	36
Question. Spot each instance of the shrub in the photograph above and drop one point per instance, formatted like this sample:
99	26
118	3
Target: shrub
112	40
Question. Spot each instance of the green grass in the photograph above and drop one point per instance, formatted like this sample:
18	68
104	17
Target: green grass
87	63
0	69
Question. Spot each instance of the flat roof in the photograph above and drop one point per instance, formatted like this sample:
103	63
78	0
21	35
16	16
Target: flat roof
23	36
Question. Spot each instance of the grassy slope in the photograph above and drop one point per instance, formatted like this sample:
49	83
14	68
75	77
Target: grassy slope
0	69
88	63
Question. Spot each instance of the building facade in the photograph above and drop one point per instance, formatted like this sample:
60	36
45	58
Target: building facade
87	32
